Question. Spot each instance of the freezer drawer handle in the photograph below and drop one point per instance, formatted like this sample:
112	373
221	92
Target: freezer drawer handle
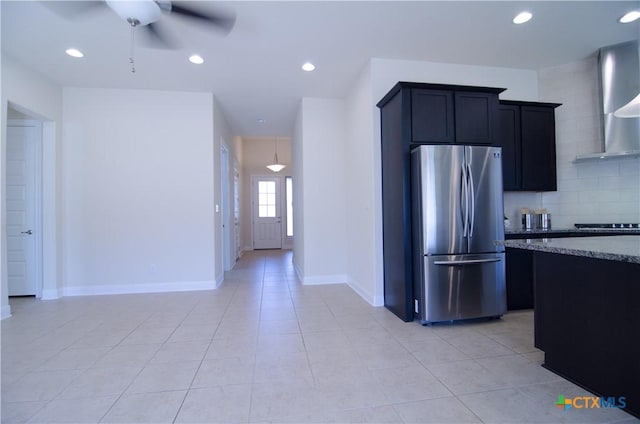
467	261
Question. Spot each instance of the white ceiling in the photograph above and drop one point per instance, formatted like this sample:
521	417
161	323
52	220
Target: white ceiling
255	70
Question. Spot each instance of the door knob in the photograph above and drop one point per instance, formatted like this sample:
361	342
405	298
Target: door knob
27	232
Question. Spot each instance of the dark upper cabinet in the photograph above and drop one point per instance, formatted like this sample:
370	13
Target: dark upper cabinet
432	116
457	114
412	114
476	121
509	139
527	136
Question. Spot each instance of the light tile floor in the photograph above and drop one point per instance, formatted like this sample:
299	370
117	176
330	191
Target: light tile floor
263	348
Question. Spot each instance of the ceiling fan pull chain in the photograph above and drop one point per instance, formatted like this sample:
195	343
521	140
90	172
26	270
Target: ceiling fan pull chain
131	55
134	23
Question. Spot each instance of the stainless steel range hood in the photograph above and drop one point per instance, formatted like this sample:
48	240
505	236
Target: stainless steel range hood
619	67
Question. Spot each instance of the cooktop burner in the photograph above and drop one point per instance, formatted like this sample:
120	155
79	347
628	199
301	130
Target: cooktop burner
607	225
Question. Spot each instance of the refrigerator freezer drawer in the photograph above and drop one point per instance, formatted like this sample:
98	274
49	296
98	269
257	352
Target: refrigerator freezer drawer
456	287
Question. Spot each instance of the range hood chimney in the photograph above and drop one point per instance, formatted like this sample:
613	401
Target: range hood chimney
619	67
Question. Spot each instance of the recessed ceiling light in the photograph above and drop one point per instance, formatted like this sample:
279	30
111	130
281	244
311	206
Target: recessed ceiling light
198	60
308	67
261	120
74	53
522	17
629	17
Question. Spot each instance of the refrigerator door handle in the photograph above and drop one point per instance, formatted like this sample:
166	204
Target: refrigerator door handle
464	200
472	201
467	261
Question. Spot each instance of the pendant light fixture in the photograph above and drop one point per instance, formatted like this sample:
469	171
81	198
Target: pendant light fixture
276	166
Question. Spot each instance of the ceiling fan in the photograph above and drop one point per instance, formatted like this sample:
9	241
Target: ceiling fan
147	14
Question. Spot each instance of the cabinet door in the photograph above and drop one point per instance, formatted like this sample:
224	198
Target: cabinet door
475	117
519	278
509	139
538	148
432	116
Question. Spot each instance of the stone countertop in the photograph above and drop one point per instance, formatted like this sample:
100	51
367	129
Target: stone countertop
572	230
613	248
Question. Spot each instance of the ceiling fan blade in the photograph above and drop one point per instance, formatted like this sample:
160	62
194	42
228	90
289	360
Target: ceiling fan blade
222	21
159	38
73	9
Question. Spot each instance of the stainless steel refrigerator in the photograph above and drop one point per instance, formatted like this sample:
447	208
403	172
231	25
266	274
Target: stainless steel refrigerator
457	212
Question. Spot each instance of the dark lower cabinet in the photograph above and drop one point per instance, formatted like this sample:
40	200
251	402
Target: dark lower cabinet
519	279
587	323
519	273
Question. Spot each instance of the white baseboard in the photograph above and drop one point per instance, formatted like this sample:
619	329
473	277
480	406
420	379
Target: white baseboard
51	294
324	279
139	288
219	280
365	294
297	270
318	279
5	312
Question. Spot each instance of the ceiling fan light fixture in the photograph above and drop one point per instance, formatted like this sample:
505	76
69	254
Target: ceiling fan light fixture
196	59
74	53
522	17
629	17
144	11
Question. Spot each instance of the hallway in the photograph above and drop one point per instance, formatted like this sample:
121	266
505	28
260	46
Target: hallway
263	348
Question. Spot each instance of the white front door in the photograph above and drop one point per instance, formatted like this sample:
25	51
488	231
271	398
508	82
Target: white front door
22	142
267	221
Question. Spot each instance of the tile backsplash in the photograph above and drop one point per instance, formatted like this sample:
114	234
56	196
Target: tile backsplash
602	191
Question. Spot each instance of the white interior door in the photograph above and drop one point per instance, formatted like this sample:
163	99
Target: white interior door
22	142
267	221
236	210
227	261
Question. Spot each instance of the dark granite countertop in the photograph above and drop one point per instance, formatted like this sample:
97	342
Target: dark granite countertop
614	248
572	230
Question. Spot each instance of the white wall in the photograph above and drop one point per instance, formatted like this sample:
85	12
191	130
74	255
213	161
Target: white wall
323	166
602	191
42	99
297	155
363	137
361	186
138	191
